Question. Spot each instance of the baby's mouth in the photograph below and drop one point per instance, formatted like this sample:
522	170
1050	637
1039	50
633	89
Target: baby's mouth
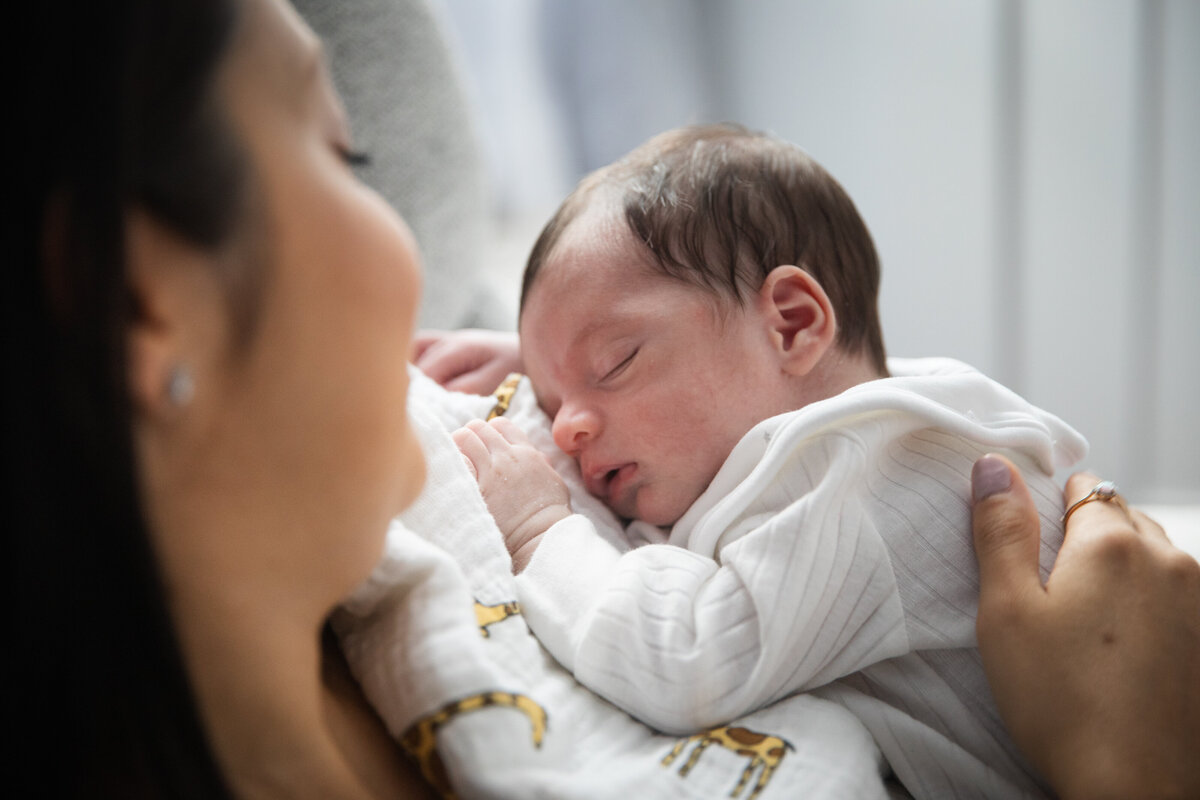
616	482
603	483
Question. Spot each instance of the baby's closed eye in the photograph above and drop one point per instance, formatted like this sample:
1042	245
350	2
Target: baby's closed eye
621	366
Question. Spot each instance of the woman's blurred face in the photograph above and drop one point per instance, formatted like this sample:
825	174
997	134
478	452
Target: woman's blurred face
314	411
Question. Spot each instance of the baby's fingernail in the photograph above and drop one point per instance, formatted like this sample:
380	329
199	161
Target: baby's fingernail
989	476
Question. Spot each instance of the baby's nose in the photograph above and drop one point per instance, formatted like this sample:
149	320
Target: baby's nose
573	427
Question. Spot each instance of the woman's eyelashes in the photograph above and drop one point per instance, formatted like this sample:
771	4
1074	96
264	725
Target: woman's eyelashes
352	157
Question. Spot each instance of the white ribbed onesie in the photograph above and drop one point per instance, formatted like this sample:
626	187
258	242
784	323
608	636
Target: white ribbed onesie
832	552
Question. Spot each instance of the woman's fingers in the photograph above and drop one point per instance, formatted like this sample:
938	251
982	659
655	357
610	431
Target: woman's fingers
1006	530
1147	526
445	360
1093	504
423	340
470	360
482	380
1092	513
1094	674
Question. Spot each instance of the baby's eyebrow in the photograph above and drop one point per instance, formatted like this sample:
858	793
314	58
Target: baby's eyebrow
586	336
601	337
615	321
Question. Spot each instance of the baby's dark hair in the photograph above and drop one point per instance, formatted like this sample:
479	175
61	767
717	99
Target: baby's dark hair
720	206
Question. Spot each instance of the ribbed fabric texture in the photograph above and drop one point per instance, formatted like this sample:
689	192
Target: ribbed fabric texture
832	550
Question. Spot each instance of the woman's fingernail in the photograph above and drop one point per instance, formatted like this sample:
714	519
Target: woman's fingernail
989	476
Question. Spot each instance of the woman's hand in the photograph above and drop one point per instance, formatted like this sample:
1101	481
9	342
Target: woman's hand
470	360
522	491
1096	673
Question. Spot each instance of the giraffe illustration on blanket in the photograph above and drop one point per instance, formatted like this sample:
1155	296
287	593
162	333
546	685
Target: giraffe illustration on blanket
504	394
763	751
420	740
487	615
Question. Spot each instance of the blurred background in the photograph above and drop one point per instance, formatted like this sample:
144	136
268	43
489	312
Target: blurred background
1030	171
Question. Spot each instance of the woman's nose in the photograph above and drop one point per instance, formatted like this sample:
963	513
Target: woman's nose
572	427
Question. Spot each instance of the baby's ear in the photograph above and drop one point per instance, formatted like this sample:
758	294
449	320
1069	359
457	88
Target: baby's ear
800	319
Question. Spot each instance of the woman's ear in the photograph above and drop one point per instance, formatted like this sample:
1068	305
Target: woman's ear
800	319
171	284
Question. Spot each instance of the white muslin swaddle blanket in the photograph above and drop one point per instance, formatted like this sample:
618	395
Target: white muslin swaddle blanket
436	639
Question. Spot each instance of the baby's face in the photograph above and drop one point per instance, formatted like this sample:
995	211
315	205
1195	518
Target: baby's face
648	386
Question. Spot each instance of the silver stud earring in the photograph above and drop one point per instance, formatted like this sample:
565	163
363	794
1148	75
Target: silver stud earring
181	387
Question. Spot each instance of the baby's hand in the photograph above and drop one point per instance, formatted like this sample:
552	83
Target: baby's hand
522	491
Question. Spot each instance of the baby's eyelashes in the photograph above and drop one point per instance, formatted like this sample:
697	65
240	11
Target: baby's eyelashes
620	367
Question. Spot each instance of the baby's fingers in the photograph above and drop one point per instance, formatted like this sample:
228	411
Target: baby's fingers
474	451
491	438
509	430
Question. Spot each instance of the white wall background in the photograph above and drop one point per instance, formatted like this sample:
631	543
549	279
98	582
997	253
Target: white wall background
1030	170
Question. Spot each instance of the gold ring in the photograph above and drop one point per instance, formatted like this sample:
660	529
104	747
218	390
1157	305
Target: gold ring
1105	491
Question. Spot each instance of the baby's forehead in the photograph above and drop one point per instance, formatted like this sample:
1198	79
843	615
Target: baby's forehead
599	230
592	246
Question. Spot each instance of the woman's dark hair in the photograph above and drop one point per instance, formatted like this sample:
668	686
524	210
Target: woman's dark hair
720	206
116	110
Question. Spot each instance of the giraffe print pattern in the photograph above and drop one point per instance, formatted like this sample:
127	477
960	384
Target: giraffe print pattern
504	394
420	740
763	751
487	616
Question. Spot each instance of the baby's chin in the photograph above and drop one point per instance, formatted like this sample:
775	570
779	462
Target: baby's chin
662	512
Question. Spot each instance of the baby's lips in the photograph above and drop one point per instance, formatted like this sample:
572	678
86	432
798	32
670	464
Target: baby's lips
597	479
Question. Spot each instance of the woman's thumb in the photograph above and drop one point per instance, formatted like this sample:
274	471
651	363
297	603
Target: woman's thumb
1004	523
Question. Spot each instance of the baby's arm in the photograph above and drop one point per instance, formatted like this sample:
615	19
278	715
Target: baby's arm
523	493
684	642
